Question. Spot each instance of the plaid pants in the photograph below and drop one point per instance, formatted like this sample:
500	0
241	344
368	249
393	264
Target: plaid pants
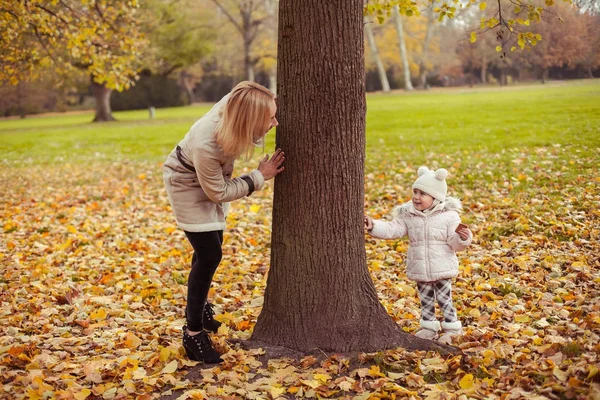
442	290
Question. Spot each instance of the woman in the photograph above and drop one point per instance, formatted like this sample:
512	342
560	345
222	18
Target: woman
199	184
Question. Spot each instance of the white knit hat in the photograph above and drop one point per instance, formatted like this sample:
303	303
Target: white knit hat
432	183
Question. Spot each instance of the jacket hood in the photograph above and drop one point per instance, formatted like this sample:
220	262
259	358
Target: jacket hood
451	204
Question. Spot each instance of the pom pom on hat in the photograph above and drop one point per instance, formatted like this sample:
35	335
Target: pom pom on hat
441	174
422	171
432	182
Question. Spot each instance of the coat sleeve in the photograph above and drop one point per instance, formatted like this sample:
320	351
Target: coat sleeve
454	239
389	229
218	188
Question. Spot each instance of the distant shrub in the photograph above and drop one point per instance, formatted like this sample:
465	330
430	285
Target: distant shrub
149	91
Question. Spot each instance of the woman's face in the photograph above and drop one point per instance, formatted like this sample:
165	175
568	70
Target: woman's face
273	121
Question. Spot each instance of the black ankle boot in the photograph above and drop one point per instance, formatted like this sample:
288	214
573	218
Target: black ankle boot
208	319
199	348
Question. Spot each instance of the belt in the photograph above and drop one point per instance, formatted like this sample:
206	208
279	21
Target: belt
182	161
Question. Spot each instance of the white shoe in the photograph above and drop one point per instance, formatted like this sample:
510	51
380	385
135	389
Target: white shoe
429	330
451	331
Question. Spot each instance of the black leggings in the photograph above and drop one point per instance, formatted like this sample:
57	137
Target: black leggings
206	259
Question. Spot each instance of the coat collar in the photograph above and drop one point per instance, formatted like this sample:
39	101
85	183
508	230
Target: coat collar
451	204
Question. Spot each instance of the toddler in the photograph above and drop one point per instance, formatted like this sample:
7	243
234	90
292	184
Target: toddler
435	233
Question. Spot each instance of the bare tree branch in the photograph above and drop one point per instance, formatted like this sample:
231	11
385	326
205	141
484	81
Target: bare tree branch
229	16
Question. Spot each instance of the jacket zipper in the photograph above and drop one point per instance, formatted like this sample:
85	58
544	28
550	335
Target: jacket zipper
427	266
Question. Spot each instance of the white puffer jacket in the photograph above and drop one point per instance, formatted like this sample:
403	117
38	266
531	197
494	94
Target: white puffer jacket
432	240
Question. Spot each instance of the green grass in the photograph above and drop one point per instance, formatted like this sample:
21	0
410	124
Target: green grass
412	124
489	119
74	137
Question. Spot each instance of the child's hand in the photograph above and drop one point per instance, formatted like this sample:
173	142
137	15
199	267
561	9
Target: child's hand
463	231
368	224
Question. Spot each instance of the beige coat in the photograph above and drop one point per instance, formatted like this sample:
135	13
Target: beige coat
200	200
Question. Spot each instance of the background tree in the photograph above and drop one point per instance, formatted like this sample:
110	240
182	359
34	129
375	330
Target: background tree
180	36
385	84
319	293
424	58
562	41
402	45
590	56
251	15
479	56
268	56
386	40
99	37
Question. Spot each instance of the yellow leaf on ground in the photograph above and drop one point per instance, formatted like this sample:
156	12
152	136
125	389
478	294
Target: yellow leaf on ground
466	382
132	341
277	391
559	374
83	394
164	354
170	367
99	315
322	377
522	318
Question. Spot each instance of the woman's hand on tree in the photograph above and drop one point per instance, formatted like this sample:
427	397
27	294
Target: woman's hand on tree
368	223
269	168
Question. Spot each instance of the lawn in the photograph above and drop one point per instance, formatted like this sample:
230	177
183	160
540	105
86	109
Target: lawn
412	124
93	275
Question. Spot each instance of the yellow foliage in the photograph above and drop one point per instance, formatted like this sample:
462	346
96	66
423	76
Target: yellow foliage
104	40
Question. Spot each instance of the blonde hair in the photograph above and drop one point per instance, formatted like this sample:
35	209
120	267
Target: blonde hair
245	115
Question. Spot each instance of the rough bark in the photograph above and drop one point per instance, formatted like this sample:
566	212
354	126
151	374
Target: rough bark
403	52
385	84
102	96
319	292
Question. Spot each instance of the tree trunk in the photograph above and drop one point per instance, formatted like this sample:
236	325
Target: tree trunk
187	86
422	75
271	6
247	58
425	52
502	80
102	95
545	73
20	108
273	82
590	73
403	53
319	292
484	70
385	84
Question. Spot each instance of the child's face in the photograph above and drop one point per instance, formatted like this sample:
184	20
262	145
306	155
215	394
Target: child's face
421	200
